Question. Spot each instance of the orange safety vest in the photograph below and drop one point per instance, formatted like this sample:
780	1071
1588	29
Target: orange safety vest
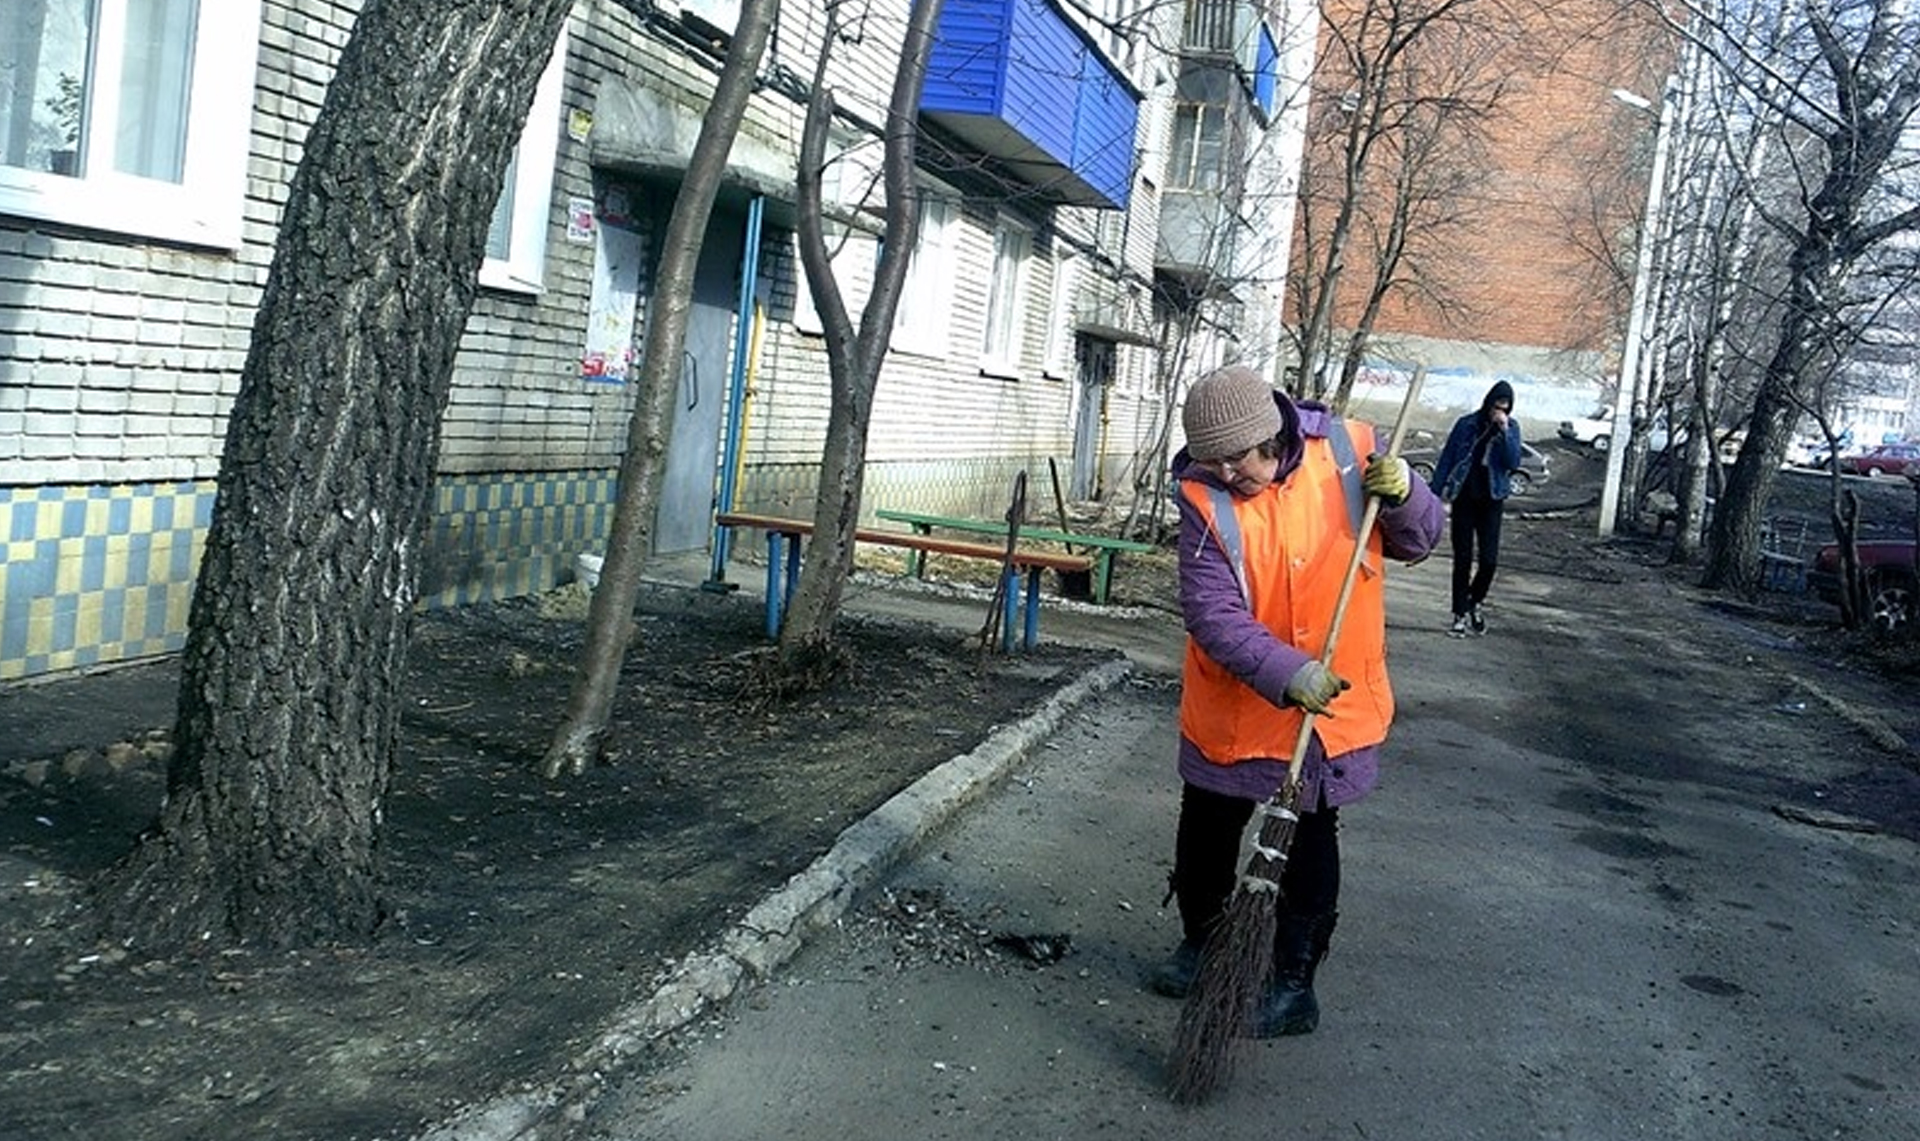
1289	547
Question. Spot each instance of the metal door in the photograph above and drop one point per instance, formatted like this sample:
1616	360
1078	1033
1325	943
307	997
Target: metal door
684	519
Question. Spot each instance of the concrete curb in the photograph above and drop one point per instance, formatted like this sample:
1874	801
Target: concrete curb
776	929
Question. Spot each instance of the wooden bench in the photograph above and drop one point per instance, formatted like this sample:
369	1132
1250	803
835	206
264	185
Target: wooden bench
1102	549
783	567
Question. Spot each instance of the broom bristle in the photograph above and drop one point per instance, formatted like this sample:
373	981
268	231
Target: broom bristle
1219	1008
1237	965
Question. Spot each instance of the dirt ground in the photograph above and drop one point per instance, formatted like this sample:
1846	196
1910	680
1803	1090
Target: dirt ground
526	910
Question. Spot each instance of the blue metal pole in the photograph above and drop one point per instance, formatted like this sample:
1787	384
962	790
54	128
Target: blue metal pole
776	543
737	386
1031	632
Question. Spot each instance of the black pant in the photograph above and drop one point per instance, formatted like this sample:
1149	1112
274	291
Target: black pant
1476	522
1207	857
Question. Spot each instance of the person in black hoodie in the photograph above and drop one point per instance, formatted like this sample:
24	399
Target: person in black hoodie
1475	475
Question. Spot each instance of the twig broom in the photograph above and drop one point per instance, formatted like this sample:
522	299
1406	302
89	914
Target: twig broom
1238	961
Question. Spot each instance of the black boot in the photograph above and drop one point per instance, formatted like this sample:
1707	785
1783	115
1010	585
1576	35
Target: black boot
1289	1006
1174	978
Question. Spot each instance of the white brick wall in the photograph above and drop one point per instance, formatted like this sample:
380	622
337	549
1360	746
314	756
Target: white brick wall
119	359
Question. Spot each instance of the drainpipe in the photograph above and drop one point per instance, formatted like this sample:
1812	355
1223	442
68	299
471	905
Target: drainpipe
722	544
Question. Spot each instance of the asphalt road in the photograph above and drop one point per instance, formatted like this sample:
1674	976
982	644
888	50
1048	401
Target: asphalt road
1574	910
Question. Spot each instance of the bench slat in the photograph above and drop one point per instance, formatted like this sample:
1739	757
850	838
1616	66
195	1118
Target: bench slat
783	566
1022	556
1076	538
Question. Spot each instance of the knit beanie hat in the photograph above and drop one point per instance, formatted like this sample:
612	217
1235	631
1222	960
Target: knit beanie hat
1228	411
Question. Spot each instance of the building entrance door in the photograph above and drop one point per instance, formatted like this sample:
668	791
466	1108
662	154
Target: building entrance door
684	519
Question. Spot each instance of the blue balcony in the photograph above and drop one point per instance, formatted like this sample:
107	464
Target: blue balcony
1020	83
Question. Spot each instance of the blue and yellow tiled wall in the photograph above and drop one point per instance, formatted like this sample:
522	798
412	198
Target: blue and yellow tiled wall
100	574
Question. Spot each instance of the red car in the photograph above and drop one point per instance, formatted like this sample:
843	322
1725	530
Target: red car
1886	459
1891	580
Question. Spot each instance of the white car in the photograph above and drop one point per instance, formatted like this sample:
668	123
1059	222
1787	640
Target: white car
1596	431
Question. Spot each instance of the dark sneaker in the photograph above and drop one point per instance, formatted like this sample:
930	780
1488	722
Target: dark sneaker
1476	622
1174	978
1459	627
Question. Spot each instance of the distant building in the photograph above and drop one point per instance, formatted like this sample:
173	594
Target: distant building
1519	288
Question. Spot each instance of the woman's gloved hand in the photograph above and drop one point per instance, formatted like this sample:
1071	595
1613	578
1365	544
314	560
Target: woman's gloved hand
1313	687
1387	477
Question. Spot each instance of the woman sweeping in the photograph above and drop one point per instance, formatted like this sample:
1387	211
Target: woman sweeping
1270	499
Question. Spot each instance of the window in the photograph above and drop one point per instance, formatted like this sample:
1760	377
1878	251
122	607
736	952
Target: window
1066	278
517	236
851	256
1114	25
920	323
1199	130
1210	25
128	115
1000	352
845	185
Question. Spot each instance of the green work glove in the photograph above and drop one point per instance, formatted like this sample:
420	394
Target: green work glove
1387	477
1313	686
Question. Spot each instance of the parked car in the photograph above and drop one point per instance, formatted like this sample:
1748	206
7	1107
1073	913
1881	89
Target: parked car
1596	431
1812	450
1534	468
1883	459
1890	579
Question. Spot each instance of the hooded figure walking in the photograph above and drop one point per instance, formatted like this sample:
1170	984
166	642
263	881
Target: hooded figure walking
1475	474
1271	495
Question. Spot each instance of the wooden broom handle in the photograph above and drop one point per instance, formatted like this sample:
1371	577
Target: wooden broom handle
1359	556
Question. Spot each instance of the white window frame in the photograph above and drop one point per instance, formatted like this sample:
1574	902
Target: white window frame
921	322
852	254
1005	327
1199	158
523	270
1058	361
206	207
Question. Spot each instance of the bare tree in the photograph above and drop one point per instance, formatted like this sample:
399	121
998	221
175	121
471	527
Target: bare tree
290	688
1434	165
807	650
643	467
1853	102
1394	74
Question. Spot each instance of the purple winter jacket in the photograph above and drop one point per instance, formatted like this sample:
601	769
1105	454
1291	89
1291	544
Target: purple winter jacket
1218	620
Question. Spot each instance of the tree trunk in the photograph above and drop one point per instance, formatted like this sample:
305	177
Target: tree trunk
576	743
853	362
1733	546
296	652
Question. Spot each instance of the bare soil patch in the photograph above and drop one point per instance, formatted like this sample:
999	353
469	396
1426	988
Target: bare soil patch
524	911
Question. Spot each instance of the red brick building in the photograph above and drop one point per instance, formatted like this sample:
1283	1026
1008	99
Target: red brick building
1519	269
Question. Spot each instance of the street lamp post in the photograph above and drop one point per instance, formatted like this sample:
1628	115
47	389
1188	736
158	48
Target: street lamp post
1610	492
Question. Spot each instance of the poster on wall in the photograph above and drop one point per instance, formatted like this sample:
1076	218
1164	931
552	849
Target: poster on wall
615	299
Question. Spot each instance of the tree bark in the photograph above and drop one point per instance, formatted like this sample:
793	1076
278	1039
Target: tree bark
296	650
853	360
1875	88
576	743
